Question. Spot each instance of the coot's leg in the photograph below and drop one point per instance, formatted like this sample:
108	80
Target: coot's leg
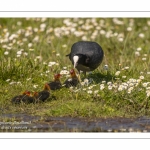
84	72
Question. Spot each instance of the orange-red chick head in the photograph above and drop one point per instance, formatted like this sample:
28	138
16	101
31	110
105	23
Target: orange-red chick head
46	87
26	93
72	73
35	94
57	76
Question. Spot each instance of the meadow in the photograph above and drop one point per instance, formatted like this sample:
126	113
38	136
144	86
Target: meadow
32	50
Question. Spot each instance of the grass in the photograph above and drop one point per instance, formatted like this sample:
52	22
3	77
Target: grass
29	44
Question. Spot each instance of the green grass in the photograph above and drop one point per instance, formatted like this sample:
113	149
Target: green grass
29	71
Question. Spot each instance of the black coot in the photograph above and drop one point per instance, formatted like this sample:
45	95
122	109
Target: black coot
86	55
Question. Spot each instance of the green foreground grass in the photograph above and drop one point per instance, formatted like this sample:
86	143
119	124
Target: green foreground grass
29	44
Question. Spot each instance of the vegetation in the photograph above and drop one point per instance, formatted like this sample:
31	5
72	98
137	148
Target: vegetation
32	50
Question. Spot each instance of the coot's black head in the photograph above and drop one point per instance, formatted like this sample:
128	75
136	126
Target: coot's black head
80	59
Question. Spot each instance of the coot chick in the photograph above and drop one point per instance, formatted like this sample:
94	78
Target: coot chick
56	84
73	81
42	95
24	97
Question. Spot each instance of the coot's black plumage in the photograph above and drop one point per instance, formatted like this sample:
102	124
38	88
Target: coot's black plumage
86	55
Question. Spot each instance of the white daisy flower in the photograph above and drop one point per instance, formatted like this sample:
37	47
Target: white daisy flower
6	53
89	91
117	73
105	67
141	77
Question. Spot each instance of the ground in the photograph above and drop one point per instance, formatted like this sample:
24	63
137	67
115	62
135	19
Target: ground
32	50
